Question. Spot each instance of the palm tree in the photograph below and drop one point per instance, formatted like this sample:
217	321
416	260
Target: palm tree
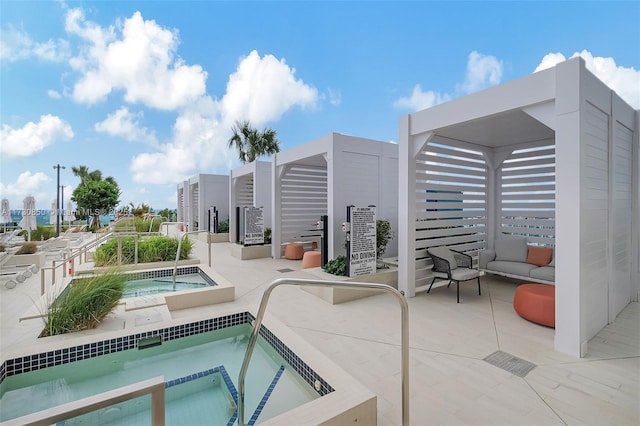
251	143
85	175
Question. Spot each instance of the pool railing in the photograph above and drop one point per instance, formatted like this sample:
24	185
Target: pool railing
154	386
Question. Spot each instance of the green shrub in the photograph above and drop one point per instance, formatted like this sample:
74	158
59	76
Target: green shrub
2	248
42	232
107	253
84	304
223	226
141	224
152	249
28	248
337	266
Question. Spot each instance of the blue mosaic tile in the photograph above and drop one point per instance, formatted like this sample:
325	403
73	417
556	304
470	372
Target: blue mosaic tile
77	353
265	397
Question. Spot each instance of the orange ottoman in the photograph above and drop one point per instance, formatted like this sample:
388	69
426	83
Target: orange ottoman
293	251
311	259
536	303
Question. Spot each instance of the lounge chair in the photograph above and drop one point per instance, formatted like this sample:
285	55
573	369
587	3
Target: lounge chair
453	266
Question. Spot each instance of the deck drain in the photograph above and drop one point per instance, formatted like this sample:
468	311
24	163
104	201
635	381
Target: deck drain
284	270
510	363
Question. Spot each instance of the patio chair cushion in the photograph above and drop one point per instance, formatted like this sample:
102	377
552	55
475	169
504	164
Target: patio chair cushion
539	256
513	268
464	274
547	273
446	254
511	249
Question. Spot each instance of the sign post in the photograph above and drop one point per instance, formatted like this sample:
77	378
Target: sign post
253	226
361	240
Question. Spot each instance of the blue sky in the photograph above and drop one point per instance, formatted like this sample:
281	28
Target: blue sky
147	92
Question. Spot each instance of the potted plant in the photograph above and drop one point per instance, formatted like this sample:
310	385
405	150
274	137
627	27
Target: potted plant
267	235
383	236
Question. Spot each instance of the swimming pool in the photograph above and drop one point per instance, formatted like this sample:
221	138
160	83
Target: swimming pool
160	281
200	362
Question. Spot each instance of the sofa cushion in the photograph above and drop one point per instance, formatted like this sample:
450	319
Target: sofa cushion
547	273
511	249
514	268
445	254
539	256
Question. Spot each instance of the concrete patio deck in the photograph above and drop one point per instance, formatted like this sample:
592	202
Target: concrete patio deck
450	381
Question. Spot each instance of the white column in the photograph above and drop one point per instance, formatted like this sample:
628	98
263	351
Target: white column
406	211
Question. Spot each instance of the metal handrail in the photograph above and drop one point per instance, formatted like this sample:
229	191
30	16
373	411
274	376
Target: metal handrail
154	387
168	223
321	283
71	257
175	266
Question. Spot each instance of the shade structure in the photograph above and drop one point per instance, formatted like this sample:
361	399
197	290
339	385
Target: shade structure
5	213
68	213
52	213
28	221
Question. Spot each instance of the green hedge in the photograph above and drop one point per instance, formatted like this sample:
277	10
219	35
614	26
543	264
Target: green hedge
151	249
140	224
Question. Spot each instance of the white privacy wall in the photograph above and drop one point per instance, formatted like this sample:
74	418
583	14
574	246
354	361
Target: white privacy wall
325	175
596	219
561	154
205	191
251	186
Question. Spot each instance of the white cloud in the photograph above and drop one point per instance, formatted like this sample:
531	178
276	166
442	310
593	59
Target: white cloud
483	71
262	89
29	184
33	137
199	144
16	45
125	124
138	57
53	94
420	100
624	81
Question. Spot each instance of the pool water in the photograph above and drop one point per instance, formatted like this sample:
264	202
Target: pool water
153	286
193	368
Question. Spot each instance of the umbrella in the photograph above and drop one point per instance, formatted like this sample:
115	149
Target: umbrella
28	221
52	213
68	213
5	216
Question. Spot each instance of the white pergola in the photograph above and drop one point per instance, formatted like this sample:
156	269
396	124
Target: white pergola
323	177
197	195
251	186
552	156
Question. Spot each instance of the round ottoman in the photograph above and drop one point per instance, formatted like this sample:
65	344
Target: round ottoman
293	251
311	259
536	303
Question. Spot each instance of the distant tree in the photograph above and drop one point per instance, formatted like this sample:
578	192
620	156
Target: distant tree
86	176
140	210
96	197
252	143
170	215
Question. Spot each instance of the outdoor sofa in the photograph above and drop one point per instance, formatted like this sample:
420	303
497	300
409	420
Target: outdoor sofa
514	258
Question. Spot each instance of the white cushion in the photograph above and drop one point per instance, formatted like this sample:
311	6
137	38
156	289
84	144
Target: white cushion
512	250
463	274
445	254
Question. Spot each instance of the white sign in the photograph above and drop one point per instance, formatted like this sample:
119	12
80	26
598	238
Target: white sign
253	226
362	253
